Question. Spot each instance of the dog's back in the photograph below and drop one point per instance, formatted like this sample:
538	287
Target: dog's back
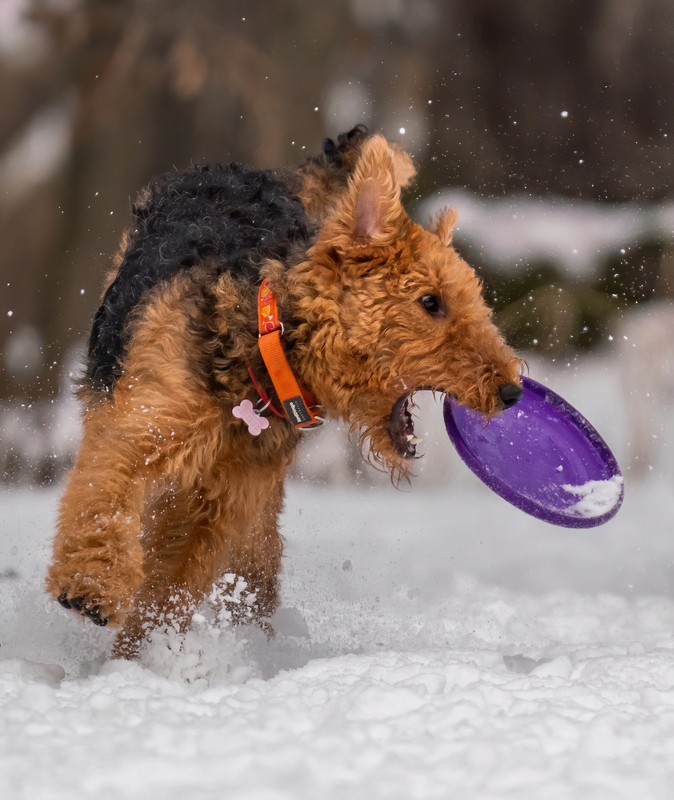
226	216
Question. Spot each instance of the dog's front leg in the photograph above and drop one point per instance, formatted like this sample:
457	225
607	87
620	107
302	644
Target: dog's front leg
98	558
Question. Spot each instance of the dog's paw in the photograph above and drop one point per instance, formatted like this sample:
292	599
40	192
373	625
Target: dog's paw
98	586
93	606
90	612
104	603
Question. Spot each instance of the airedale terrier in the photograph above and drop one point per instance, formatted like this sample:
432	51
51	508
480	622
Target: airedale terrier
245	305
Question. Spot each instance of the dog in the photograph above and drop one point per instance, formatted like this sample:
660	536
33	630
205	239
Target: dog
244	307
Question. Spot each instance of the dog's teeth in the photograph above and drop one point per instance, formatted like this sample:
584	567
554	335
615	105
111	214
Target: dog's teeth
414	440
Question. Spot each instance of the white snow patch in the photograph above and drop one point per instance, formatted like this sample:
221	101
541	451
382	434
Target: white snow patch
575	234
20	39
38	152
597	497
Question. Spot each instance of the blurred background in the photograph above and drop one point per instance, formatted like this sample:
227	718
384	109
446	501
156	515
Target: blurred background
547	125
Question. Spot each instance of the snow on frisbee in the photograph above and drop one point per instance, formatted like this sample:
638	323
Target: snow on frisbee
542	456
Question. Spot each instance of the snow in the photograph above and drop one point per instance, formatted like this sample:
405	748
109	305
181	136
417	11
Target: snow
16	32
596	497
39	150
577	235
433	642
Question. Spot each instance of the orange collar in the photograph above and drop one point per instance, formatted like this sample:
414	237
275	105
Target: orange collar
297	404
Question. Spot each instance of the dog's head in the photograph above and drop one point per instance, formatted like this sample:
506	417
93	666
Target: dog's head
391	308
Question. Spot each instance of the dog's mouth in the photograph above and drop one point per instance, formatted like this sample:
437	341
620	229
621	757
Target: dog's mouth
401	427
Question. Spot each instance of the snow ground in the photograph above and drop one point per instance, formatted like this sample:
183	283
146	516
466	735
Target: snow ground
433	643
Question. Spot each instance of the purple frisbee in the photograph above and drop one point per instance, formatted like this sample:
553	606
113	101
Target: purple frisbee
542	456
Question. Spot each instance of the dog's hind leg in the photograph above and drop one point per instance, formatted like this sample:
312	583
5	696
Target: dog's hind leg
193	537
167	525
256	557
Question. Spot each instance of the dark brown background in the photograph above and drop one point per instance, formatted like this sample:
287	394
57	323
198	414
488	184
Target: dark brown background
133	87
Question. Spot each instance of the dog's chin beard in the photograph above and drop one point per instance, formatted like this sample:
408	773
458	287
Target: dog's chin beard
401	427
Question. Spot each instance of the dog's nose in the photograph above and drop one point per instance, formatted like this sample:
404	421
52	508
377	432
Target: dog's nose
510	393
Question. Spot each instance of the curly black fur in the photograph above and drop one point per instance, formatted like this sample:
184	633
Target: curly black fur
230	215
345	142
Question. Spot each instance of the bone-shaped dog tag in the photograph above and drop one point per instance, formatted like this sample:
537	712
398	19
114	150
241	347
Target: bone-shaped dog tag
245	411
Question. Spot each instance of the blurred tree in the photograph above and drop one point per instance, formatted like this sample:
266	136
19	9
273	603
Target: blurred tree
569	97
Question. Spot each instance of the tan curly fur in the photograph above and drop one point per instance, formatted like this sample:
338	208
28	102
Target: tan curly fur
170	491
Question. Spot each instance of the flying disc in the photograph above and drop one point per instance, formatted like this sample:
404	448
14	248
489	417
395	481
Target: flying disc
542	456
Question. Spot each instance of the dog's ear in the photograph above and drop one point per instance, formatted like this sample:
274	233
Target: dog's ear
443	226
374	213
403	166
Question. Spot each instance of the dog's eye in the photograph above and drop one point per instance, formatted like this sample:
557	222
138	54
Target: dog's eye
433	304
